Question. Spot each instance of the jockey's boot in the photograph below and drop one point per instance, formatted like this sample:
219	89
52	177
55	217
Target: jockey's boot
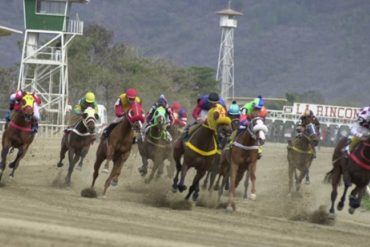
259	152
346	147
108	129
7	116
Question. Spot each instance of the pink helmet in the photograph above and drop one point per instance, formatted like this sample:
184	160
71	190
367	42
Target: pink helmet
18	95
131	93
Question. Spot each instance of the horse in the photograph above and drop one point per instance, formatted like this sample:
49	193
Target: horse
117	146
77	141
198	152
355	168
215	168
18	134
300	154
156	145
242	156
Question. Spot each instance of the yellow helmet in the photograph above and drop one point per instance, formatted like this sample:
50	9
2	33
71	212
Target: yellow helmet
90	97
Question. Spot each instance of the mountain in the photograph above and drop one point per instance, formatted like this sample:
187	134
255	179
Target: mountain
280	45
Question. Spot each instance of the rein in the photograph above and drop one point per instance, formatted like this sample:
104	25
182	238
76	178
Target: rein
202	152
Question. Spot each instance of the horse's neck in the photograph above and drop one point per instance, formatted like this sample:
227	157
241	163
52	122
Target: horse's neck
245	138
203	138
301	143
19	120
363	150
125	128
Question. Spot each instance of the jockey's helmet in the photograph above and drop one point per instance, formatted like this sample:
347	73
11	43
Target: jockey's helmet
258	103
90	97
234	109
131	93
162	101
213	98
307	113
176	106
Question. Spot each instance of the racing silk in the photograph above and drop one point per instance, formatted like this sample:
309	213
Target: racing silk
180	117
212	123
302	122
16	102
122	105
83	105
169	114
204	105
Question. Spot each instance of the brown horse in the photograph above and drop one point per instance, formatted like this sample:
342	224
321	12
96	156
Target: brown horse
357	168
117	146
77	141
18	134
156	145
242	156
215	168
300	154
198	152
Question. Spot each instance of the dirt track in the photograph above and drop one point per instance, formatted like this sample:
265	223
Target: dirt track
33	212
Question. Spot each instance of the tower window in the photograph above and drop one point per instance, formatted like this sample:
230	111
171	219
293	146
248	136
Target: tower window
50	7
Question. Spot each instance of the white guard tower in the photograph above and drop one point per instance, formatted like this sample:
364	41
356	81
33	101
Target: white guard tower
225	66
44	65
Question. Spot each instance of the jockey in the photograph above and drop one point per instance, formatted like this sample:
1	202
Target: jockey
15	104
359	130
200	112
204	103
252	109
162	101
121	106
234	111
301	125
179	113
87	101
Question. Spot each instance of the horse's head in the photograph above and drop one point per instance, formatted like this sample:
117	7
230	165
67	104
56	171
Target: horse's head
259	129
159	117
27	106
89	118
235	122
224	129
135	116
310	130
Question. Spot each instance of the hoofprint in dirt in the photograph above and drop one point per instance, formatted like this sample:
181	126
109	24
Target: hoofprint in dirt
33	212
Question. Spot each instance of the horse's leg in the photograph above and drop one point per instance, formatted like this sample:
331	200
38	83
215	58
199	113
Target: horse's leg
83	154
246	185
205	182
144	168
171	167
233	173
63	150
100	157
252	176
21	153
4	153
154	169
178	151
215	170
334	193
160	168
355	198
195	185
73	157
116	170
291	174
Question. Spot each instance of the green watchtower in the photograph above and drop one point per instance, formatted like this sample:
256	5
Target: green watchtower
44	66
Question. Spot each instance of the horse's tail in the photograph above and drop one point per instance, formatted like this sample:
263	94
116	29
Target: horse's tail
328	177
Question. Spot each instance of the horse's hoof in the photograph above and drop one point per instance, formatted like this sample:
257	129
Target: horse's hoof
340	206
105	170
79	168
60	164
331	216
307	182
229	209
182	188
142	171
253	197
114	182
351	210
174	188
11	165
195	197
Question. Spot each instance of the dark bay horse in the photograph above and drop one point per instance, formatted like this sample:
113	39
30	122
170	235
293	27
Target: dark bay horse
18	134
156	145
198	152
77	141
242	156
357	166
117	146
300	154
